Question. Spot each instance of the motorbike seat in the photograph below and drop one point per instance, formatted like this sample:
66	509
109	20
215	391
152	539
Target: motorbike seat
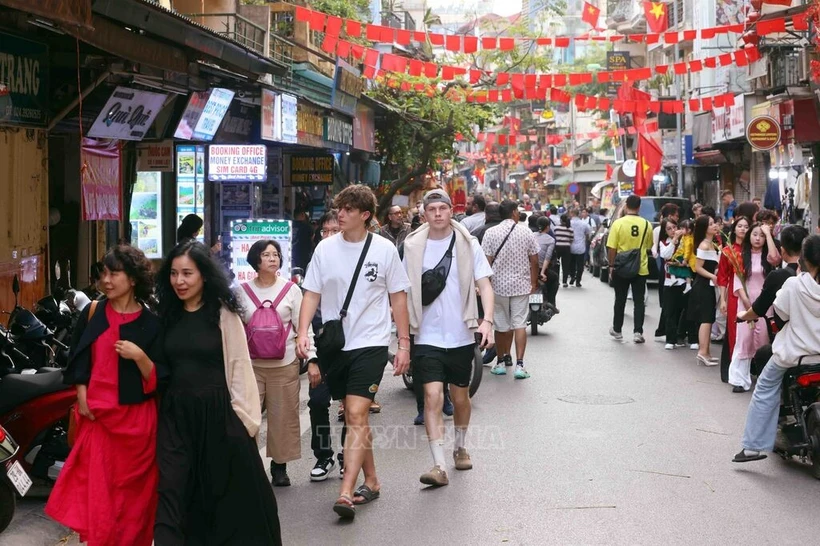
17	389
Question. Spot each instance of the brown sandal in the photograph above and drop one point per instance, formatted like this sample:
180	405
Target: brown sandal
344	507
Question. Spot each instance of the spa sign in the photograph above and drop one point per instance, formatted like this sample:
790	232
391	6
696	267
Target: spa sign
23	81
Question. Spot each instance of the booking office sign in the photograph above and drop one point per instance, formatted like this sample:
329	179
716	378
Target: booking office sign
23	81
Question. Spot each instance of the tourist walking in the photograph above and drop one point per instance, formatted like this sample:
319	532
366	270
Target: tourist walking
107	490
396	229
476	212
581	232
564	237
212	484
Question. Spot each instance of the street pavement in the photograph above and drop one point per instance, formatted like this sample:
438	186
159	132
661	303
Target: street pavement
606	443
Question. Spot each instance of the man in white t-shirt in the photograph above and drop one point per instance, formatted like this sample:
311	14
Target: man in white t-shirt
356	375
444	264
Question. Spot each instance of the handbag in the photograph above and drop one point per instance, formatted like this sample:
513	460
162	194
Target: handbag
627	264
331	339
434	280
72	411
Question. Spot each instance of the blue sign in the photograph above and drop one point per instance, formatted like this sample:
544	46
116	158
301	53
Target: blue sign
573	188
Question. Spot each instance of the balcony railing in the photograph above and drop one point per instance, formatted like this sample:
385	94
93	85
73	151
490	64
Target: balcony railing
401	20
235	27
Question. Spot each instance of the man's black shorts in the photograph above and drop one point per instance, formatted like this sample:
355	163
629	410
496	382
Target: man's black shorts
434	364
358	372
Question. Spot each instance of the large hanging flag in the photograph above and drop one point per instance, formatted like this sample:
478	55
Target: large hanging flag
650	161
657	16
590	15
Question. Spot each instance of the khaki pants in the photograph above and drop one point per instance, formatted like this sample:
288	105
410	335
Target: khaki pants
279	396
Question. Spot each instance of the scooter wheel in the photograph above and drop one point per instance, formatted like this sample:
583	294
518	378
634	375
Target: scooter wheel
813	427
8	502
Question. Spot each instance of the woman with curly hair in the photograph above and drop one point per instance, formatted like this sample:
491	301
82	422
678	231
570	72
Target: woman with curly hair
212	485
107	491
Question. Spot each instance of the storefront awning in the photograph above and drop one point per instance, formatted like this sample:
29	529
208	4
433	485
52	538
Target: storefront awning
582	177
702	131
710	157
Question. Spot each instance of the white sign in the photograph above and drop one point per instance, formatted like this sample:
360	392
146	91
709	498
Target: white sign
18	478
729	123
128	114
246	232
237	163
212	114
290	130
155	156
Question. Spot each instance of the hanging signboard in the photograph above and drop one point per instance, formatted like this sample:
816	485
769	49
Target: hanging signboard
347	88
128	114
23	81
246	232
155	156
101	183
337	131
763	133
364	129
203	114
237	163
616	60
269	129
238	124
311	170
289	122
310	126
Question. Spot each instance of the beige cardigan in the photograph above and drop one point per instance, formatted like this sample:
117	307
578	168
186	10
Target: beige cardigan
414	246
239	372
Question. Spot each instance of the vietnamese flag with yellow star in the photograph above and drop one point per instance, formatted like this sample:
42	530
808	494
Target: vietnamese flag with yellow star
657	16
590	15
650	161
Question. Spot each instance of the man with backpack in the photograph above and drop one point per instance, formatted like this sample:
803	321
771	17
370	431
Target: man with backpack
358	277
445	263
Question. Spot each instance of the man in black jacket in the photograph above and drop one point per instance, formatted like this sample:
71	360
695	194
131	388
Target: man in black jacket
491	219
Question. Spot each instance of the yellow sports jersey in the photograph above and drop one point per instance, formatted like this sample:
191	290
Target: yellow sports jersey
631	232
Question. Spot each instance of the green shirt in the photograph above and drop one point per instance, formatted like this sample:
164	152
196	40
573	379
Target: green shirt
626	234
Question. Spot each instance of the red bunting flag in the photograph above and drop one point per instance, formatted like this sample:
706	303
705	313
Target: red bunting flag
657	19
650	161
591	15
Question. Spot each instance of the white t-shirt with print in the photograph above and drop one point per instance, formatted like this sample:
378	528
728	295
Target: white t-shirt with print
368	318
442	322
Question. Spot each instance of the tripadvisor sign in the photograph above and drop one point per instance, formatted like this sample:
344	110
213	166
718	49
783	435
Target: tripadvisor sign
23	81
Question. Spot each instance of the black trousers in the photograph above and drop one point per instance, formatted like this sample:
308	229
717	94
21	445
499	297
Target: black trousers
621	286
563	255
320	431
678	326
550	288
576	267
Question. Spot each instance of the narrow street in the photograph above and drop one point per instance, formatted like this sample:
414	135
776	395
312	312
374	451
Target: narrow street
607	443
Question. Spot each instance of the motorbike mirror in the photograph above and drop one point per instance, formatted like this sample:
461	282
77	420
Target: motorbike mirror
15	285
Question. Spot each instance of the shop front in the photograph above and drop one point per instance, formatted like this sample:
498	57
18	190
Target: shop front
737	169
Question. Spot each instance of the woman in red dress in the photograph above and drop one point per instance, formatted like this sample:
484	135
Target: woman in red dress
728	297
107	491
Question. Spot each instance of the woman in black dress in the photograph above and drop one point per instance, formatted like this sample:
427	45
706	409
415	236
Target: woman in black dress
703	299
212	485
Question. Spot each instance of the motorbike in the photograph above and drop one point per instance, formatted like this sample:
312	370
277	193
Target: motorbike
799	424
475	378
540	312
13	479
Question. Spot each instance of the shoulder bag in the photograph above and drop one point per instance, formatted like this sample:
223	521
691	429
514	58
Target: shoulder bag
627	264
72	412
498	252
434	280
331	339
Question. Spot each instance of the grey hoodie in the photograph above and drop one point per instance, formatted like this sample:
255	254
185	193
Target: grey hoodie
798	302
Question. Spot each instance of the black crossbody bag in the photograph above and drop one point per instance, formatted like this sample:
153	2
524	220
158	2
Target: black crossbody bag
627	264
433	281
331	339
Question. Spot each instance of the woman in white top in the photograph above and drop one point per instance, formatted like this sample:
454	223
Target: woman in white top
703	301
278	380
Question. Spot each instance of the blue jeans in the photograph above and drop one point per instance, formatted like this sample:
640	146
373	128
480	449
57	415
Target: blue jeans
764	409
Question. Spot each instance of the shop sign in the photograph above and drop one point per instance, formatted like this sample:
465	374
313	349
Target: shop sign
616	60
237	163
310	126
244	233
23	81
102	183
128	114
729	123
271	124
763	133
311	170
364	129
155	156
203	114
290	123
238	123
339	131
347	88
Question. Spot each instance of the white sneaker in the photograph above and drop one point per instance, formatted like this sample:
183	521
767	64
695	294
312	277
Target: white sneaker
694	346
669	346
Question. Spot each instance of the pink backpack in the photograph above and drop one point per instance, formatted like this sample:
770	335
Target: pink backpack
267	335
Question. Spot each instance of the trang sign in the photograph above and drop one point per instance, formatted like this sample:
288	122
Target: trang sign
237	163
339	131
23	81
127	115
311	170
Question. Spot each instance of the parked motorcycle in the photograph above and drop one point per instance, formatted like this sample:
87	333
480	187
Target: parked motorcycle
799	426
13	479
540	312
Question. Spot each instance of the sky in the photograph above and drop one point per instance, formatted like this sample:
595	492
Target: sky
507	7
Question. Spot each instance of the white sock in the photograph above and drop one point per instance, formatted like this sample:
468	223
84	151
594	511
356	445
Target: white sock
461	438
437	449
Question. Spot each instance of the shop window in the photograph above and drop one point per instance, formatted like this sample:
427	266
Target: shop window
145	217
